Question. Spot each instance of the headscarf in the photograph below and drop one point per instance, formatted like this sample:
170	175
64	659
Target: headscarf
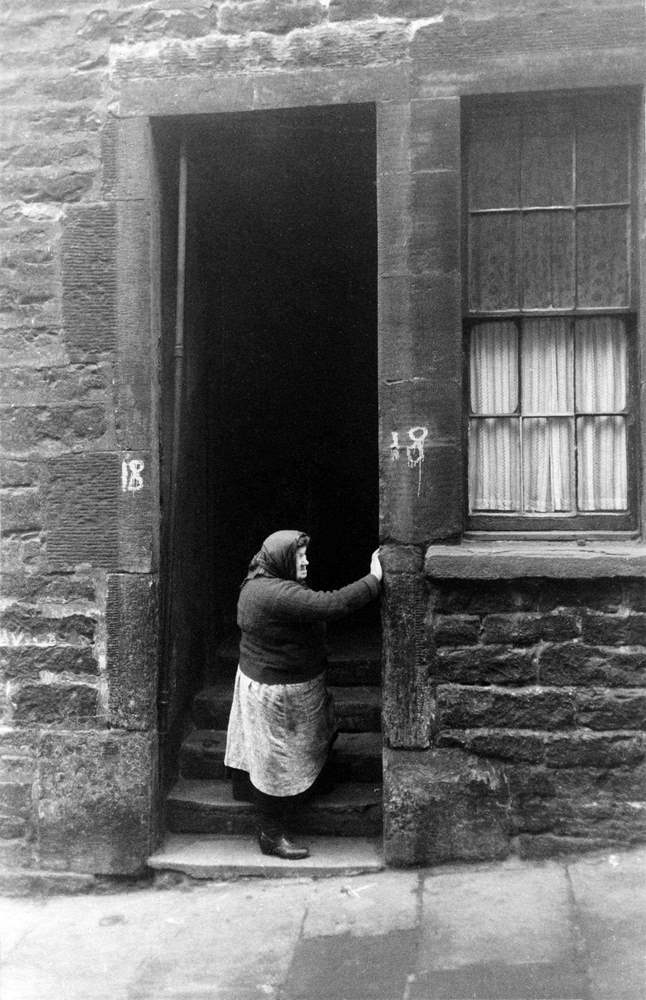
277	557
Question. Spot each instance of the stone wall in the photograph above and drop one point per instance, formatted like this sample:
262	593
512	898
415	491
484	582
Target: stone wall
80	328
531	737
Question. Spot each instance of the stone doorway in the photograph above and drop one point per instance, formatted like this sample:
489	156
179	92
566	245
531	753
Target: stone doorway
279	405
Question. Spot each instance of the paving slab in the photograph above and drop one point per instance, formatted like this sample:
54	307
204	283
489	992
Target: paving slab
498	932
610	905
221	941
364	906
344	967
212	856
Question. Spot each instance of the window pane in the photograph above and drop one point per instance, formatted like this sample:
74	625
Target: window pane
601	443
494	160
602	151
547	168
548	260
548	464
494	464
494	279
602	257
494	368
547	366
601	368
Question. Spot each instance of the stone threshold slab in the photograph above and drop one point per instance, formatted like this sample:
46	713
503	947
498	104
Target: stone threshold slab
213	856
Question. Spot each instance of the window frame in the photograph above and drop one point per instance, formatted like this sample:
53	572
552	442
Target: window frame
580	522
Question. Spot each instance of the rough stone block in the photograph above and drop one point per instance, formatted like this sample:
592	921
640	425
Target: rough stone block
508	745
26	662
22	552
579	664
421	497
99	511
18	473
394	223
21	510
37	345
40	590
583	749
41	186
468	708
68	704
602	593
360	10
393	137
435	212
435	134
495	49
527	629
48	429
456	630
402	558
483	665
407	697
379	43
52	385
478	597
615	630
421	331
135	351
443	805
89	280
606	710
419	403
15	798
634	594
97	794
18	751
27	625
12	827
274	16
132	631
126	158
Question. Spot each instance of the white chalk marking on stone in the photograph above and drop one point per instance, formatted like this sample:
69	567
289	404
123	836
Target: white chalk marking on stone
415	452
131	475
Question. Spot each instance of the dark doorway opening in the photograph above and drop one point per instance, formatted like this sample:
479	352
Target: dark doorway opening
279	411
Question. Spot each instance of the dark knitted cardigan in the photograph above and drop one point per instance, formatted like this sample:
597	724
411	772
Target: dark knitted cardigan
283	626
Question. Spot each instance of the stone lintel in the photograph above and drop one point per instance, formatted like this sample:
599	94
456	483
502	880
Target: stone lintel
208	94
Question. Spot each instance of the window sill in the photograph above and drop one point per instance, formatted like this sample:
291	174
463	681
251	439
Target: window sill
509	560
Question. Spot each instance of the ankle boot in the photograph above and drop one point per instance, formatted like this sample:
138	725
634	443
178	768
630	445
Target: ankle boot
276	841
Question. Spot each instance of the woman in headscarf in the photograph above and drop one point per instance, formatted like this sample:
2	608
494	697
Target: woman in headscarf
281	725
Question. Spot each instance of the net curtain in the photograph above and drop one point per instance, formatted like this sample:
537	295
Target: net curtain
556	375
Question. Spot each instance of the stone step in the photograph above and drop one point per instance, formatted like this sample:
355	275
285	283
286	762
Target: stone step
356	756
358	709
195	806
354	658
212	856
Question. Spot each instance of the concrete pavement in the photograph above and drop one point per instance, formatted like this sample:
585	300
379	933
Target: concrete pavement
573	929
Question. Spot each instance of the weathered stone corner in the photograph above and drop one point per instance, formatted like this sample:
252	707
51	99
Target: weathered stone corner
443	805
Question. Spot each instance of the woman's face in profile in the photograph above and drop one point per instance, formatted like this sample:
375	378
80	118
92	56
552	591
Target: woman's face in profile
301	563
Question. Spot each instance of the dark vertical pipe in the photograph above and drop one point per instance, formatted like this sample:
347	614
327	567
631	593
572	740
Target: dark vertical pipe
178	385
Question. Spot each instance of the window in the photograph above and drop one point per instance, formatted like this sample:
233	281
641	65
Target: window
550	299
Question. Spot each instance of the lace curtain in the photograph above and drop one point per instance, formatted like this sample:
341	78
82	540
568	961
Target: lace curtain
538	446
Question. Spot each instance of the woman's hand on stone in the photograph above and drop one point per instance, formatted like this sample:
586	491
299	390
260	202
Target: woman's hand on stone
375	565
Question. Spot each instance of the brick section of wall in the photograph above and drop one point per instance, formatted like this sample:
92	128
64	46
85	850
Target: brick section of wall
547	680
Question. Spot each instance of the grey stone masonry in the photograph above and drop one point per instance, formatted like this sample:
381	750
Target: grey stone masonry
546	682
531	693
